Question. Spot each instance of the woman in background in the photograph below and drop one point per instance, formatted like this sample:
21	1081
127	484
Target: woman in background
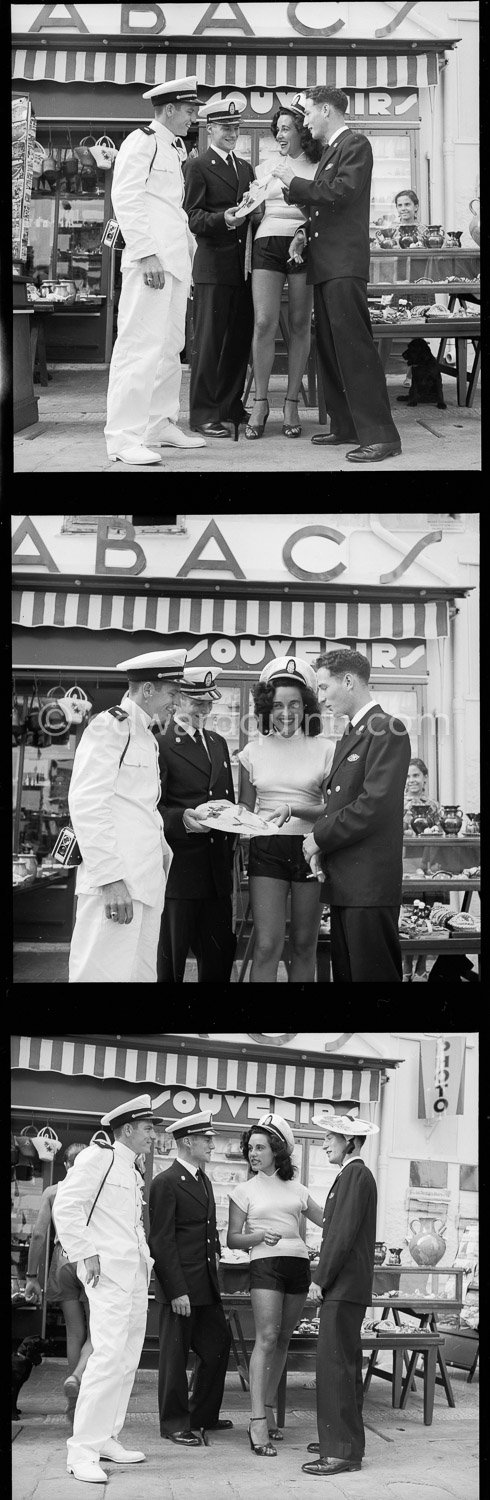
63	1287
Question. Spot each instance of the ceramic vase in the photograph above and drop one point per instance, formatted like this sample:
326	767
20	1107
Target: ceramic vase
379	1252
420	817
428	1245
434	236
450	818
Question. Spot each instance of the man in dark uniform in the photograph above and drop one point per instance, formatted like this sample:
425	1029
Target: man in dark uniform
222	304
343	1285
360	832
338	201
185	1246
195	767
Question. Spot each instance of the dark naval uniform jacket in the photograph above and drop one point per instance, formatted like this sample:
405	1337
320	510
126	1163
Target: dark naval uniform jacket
345	1267
202	863
338	202
211	186
360	831
183	1237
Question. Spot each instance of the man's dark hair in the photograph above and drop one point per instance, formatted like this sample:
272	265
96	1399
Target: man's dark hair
72	1151
323	94
264	699
342	661
351	1145
282	1160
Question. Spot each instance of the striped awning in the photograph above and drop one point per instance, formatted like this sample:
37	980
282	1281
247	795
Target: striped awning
223	71
184	1070
303	619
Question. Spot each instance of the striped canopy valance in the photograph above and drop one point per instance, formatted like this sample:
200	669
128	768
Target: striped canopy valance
225	71
167	615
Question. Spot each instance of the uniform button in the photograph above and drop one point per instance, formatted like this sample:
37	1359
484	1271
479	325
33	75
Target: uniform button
211	841
337	789
225	765
316	234
317	211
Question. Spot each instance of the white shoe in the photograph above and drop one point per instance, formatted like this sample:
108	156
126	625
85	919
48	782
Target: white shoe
90	1472
138	454
119	1455
173	437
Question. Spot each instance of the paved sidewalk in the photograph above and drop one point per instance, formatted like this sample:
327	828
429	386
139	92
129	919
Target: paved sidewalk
404	1460
69	435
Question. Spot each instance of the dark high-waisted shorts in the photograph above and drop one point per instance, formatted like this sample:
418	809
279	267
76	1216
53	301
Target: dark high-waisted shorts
272	254
279	856
281	1273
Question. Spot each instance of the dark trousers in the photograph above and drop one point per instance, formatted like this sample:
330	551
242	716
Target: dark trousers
353	381
208	1334
202	927
339	1381
223	327
365	945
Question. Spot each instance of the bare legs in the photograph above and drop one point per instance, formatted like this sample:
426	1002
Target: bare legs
275	1317
267	290
268	900
269	903
306	912
76	1334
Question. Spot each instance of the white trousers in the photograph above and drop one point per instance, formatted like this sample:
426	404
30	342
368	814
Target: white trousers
117	1331
105	952
145	373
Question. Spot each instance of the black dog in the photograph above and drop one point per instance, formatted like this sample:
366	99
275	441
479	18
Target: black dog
29	1353
426	376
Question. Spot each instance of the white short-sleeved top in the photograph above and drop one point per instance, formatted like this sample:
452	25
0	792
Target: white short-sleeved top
281	217
288	769
271	1203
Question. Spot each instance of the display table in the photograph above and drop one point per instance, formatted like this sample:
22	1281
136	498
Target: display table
25	403
464	331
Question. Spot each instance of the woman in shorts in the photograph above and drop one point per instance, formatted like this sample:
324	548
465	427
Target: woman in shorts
266	1214
278	254
283	774
63	1288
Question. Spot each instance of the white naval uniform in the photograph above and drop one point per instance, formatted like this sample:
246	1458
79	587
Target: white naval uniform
119	1301
146	372
114	812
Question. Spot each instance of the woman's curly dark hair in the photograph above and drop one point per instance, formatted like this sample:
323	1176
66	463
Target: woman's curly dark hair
312	149
282	1160
264	698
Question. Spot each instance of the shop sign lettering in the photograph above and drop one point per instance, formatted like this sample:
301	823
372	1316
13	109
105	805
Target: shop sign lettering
441	1077
362	103
116	535
227	1108
243	652
329	20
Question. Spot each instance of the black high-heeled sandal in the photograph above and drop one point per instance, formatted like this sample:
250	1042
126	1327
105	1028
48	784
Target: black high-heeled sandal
289	429
274	1432
265	1450
252	432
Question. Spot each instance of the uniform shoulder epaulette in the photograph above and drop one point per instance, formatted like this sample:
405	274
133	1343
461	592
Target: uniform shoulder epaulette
118	713
103	1145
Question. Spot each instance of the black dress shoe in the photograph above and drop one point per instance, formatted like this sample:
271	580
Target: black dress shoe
330	439
313	1448
372	453
212	429
325	1467
219	1426
185	1439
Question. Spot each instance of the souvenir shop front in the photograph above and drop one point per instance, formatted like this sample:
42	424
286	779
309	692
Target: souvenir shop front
84	73
63	1085
75	617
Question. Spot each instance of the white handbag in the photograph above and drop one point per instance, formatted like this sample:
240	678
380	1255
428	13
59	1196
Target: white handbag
46	1143
104	152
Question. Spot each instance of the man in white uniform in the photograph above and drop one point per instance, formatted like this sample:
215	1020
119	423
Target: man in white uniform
113	799
147	194
97	1213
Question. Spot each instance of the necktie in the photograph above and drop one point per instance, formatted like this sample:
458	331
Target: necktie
200	740
231	162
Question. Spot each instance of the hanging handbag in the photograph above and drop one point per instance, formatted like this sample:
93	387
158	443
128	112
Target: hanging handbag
47	1143
83	151
104	152
24	1141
